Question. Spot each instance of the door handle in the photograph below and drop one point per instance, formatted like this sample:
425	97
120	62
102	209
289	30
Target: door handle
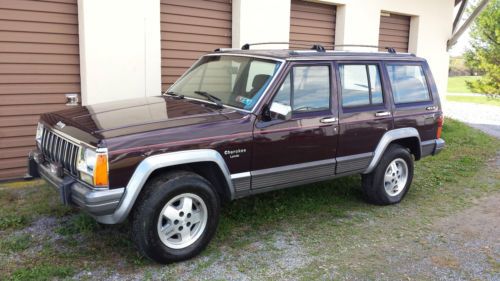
327	120
431	108
382	113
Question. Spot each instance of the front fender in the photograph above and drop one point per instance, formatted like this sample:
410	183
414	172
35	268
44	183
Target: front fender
152	163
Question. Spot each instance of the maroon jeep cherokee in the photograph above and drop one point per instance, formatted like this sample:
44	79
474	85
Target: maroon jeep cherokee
238	123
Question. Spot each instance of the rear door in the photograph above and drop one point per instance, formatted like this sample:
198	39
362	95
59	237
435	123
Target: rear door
414	105
365	113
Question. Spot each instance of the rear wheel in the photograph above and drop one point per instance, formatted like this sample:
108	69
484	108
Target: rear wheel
389	182
176	217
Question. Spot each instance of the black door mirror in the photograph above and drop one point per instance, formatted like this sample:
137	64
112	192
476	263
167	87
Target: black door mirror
266	113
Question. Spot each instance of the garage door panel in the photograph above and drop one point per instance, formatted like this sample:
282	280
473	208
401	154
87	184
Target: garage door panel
314	24
39	58
16	47
222	23
31	98
311	16
394	26
12	173
39	69
17	142
311	23
38	88
18	131
190	29
181	54
13	163
313	8
389	38
177	45
195	12
196	38
8	121
211	5
40	6
30	16
8	25
315	38
309	30
31	37
394	32
39	64
399	19
14	110
16	152
30	78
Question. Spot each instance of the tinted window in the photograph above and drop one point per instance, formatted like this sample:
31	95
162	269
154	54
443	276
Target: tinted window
408	83
309	90
360	85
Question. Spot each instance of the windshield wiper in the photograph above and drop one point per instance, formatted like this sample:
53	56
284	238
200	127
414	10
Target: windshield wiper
175	95
210	97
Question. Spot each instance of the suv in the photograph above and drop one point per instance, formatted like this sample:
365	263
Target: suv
239	123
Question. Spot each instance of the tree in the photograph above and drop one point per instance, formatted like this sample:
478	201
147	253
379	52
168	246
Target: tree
484	55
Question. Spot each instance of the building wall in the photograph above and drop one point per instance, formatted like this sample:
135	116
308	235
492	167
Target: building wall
119	49
357	23
116	29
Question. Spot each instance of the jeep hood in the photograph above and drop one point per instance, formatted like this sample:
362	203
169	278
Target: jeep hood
118	118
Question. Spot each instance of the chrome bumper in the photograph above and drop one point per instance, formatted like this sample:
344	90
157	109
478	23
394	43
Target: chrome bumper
96	202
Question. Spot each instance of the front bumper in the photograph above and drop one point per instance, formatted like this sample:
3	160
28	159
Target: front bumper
96	202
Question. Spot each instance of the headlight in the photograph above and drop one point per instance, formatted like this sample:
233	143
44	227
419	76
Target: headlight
39	133
93	166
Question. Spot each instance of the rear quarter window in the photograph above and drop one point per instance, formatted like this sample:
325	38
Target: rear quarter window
408	83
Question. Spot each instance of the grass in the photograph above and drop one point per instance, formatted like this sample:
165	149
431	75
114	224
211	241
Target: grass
475	99
330	219
457	84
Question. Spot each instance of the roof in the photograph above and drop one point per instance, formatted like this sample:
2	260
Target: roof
286	54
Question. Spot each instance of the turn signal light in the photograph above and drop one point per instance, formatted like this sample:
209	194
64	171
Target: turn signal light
101	170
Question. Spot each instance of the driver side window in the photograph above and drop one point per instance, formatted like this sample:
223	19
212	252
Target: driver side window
305	89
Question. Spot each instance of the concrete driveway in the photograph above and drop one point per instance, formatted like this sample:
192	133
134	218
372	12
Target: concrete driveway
483	117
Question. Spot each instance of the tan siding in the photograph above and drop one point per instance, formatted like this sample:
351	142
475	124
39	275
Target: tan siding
394	32
312	23
189	29
39	64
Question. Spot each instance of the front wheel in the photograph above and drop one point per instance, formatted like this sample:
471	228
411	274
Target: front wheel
389	182
176	217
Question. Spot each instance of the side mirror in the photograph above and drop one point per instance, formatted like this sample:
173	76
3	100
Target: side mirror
266	114
280	111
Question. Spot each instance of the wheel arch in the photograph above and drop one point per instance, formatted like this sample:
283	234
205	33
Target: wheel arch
195	160
408	137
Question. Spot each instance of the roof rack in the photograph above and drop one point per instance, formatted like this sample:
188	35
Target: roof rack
316	47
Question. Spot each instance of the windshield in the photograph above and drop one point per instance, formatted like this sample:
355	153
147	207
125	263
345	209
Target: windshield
236	81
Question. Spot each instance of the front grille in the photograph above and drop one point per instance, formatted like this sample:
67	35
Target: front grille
59	150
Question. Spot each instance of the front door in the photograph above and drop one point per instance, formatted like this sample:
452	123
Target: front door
365	114
296	143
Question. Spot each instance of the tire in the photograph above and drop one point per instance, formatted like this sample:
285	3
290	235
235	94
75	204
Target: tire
190	226
381	190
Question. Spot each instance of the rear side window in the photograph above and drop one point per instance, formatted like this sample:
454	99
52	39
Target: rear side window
408	83
360	85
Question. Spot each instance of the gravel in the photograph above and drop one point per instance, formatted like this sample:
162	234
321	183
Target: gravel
483	117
